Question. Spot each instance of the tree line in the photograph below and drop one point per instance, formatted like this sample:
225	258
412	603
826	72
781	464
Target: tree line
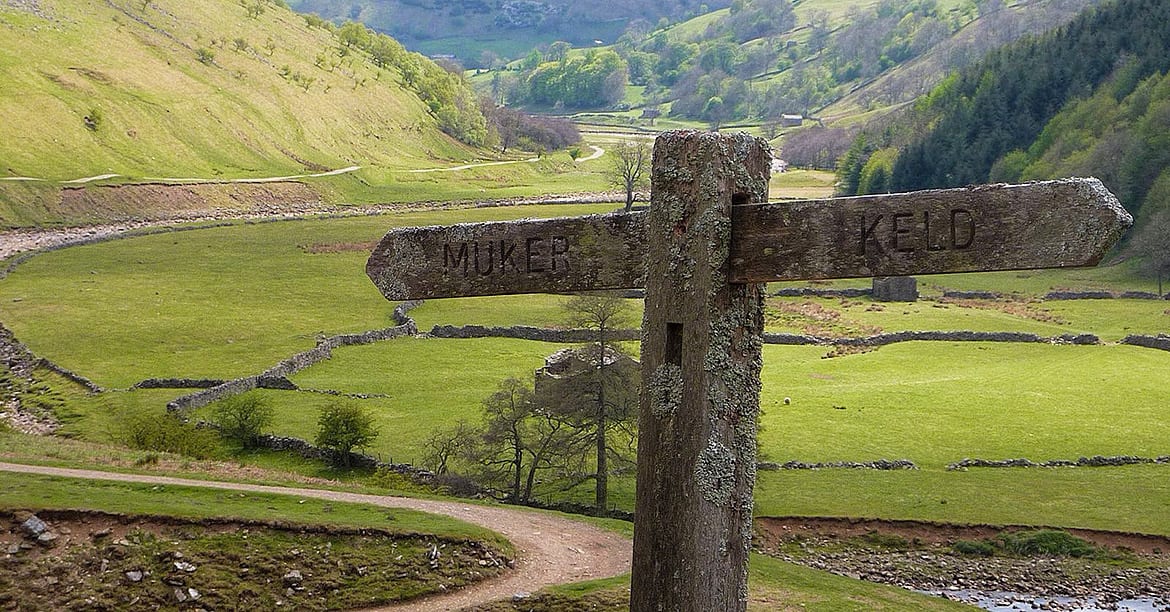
1002	104
706	76
1089	99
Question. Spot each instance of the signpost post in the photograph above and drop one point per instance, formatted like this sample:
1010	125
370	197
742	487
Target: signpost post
703	251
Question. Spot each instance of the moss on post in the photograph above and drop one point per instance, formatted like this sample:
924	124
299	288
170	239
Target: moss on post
701	350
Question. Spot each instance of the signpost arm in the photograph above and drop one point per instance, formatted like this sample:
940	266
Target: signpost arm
701	370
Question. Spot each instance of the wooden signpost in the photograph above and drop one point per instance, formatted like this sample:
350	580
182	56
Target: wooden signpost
703	251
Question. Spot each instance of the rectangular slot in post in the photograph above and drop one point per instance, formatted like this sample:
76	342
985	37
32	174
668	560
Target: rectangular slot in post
673	344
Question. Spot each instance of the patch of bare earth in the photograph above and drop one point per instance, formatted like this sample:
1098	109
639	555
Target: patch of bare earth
169	201
1024	309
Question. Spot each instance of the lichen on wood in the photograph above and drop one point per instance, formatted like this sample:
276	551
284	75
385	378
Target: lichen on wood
696	468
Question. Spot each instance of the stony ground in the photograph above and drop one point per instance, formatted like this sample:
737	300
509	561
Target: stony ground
922	557
91	561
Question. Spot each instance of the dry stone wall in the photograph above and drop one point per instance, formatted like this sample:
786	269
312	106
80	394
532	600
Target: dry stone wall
929	336
1095	461
524	332
276	377
1161	341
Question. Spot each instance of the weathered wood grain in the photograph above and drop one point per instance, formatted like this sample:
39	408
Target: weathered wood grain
701	342
1050	224
524	256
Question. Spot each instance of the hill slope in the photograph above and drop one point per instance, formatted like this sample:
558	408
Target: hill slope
203	88
507	28
1005	102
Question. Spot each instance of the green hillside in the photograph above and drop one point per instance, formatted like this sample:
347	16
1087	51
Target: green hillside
758	60
1088	99
210	89
1003	104
507	28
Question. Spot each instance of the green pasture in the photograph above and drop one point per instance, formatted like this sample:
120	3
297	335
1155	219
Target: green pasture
231	301
33	492
1132	498
217	303
940	402
420	385
537	310
1111	320
1107	277
519	177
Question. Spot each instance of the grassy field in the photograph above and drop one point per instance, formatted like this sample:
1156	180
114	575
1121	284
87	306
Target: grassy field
144	304
33	492
218	303
937	402
1111	320
1131	499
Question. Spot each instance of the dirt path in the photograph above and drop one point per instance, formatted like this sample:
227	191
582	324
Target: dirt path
531	160
597	152
266	179
550	549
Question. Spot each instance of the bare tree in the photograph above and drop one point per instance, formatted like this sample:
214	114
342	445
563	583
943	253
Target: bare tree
505	437
1153	246
601	398
444	446
630	171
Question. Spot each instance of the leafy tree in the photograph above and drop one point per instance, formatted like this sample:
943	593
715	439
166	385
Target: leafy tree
255	9
596	79
602	398
715	111
753	19
876	174
242	418
518	440
631	168
354	35
850	166
721	56
558	51
343	427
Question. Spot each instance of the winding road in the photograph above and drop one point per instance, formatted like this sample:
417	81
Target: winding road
550	549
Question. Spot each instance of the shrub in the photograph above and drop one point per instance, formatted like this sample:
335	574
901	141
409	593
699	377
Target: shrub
241	418
147	430
1045	542
205	55
457	485
343	427
93	120
147	459
981	548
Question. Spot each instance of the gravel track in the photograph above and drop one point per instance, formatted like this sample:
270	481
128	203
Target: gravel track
550	549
